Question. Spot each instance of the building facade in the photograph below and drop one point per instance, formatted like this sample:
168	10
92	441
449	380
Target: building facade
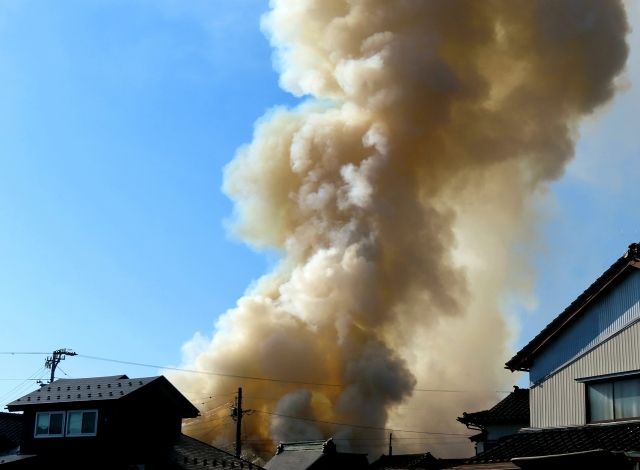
584	367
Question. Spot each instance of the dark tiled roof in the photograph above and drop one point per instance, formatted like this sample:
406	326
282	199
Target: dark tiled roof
402	461
89	389
522	359
97	389
513	409
487	466
618	437
10	430
413	461
190	453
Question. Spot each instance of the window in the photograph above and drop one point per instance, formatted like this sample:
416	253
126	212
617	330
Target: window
78	423
82	423
50	424
614	399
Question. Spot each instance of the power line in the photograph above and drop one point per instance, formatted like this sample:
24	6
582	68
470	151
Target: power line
18	353
18	389
22	379
204	372
270	379
361	425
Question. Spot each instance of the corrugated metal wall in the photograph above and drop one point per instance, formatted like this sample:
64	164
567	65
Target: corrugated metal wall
560	400
607	315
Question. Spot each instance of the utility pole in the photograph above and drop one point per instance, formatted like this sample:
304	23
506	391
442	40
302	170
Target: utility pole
239	423
390	442
53	361
236	414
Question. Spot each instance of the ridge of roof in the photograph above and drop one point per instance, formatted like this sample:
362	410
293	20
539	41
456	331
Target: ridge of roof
322	446
522	359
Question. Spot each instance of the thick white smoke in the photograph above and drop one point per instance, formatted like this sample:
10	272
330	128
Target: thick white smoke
400	195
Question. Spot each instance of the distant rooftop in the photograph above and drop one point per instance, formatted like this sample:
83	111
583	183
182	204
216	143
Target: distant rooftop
413	461
190	453
513	409
319	454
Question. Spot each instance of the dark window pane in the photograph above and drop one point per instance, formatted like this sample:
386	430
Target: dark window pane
600	396
55	423
74	422
627	398
88	422
42	424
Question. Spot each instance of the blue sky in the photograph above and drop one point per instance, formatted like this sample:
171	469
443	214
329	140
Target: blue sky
117	119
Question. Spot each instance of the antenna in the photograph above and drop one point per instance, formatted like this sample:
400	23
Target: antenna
52	361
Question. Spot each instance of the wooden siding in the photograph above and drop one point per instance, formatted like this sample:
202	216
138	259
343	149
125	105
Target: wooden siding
610	313
560	400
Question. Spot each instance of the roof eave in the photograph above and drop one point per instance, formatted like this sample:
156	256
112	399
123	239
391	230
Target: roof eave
523	359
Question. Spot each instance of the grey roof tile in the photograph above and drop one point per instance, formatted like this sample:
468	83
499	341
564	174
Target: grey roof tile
87	389
190	453
618	437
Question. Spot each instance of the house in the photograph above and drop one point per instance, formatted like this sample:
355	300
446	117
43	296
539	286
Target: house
413	461
314	455
113	422
584	371
89	418
584	367
507	417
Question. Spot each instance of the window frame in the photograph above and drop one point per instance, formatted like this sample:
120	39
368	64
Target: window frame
81	434
609	379
49	435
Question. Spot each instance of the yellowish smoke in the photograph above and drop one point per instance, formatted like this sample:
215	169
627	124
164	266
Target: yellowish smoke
401	195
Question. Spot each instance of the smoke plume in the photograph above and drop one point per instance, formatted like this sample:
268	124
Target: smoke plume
402	195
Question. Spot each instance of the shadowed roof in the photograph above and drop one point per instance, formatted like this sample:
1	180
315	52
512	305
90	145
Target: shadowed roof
513	409
190	453
621	437
10	430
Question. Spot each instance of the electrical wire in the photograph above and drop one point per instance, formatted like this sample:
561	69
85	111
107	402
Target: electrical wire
361	425
270	379
18	353
17	390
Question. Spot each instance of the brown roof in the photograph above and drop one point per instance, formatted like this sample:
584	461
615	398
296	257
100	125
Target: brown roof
617	437
513	409
623	266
